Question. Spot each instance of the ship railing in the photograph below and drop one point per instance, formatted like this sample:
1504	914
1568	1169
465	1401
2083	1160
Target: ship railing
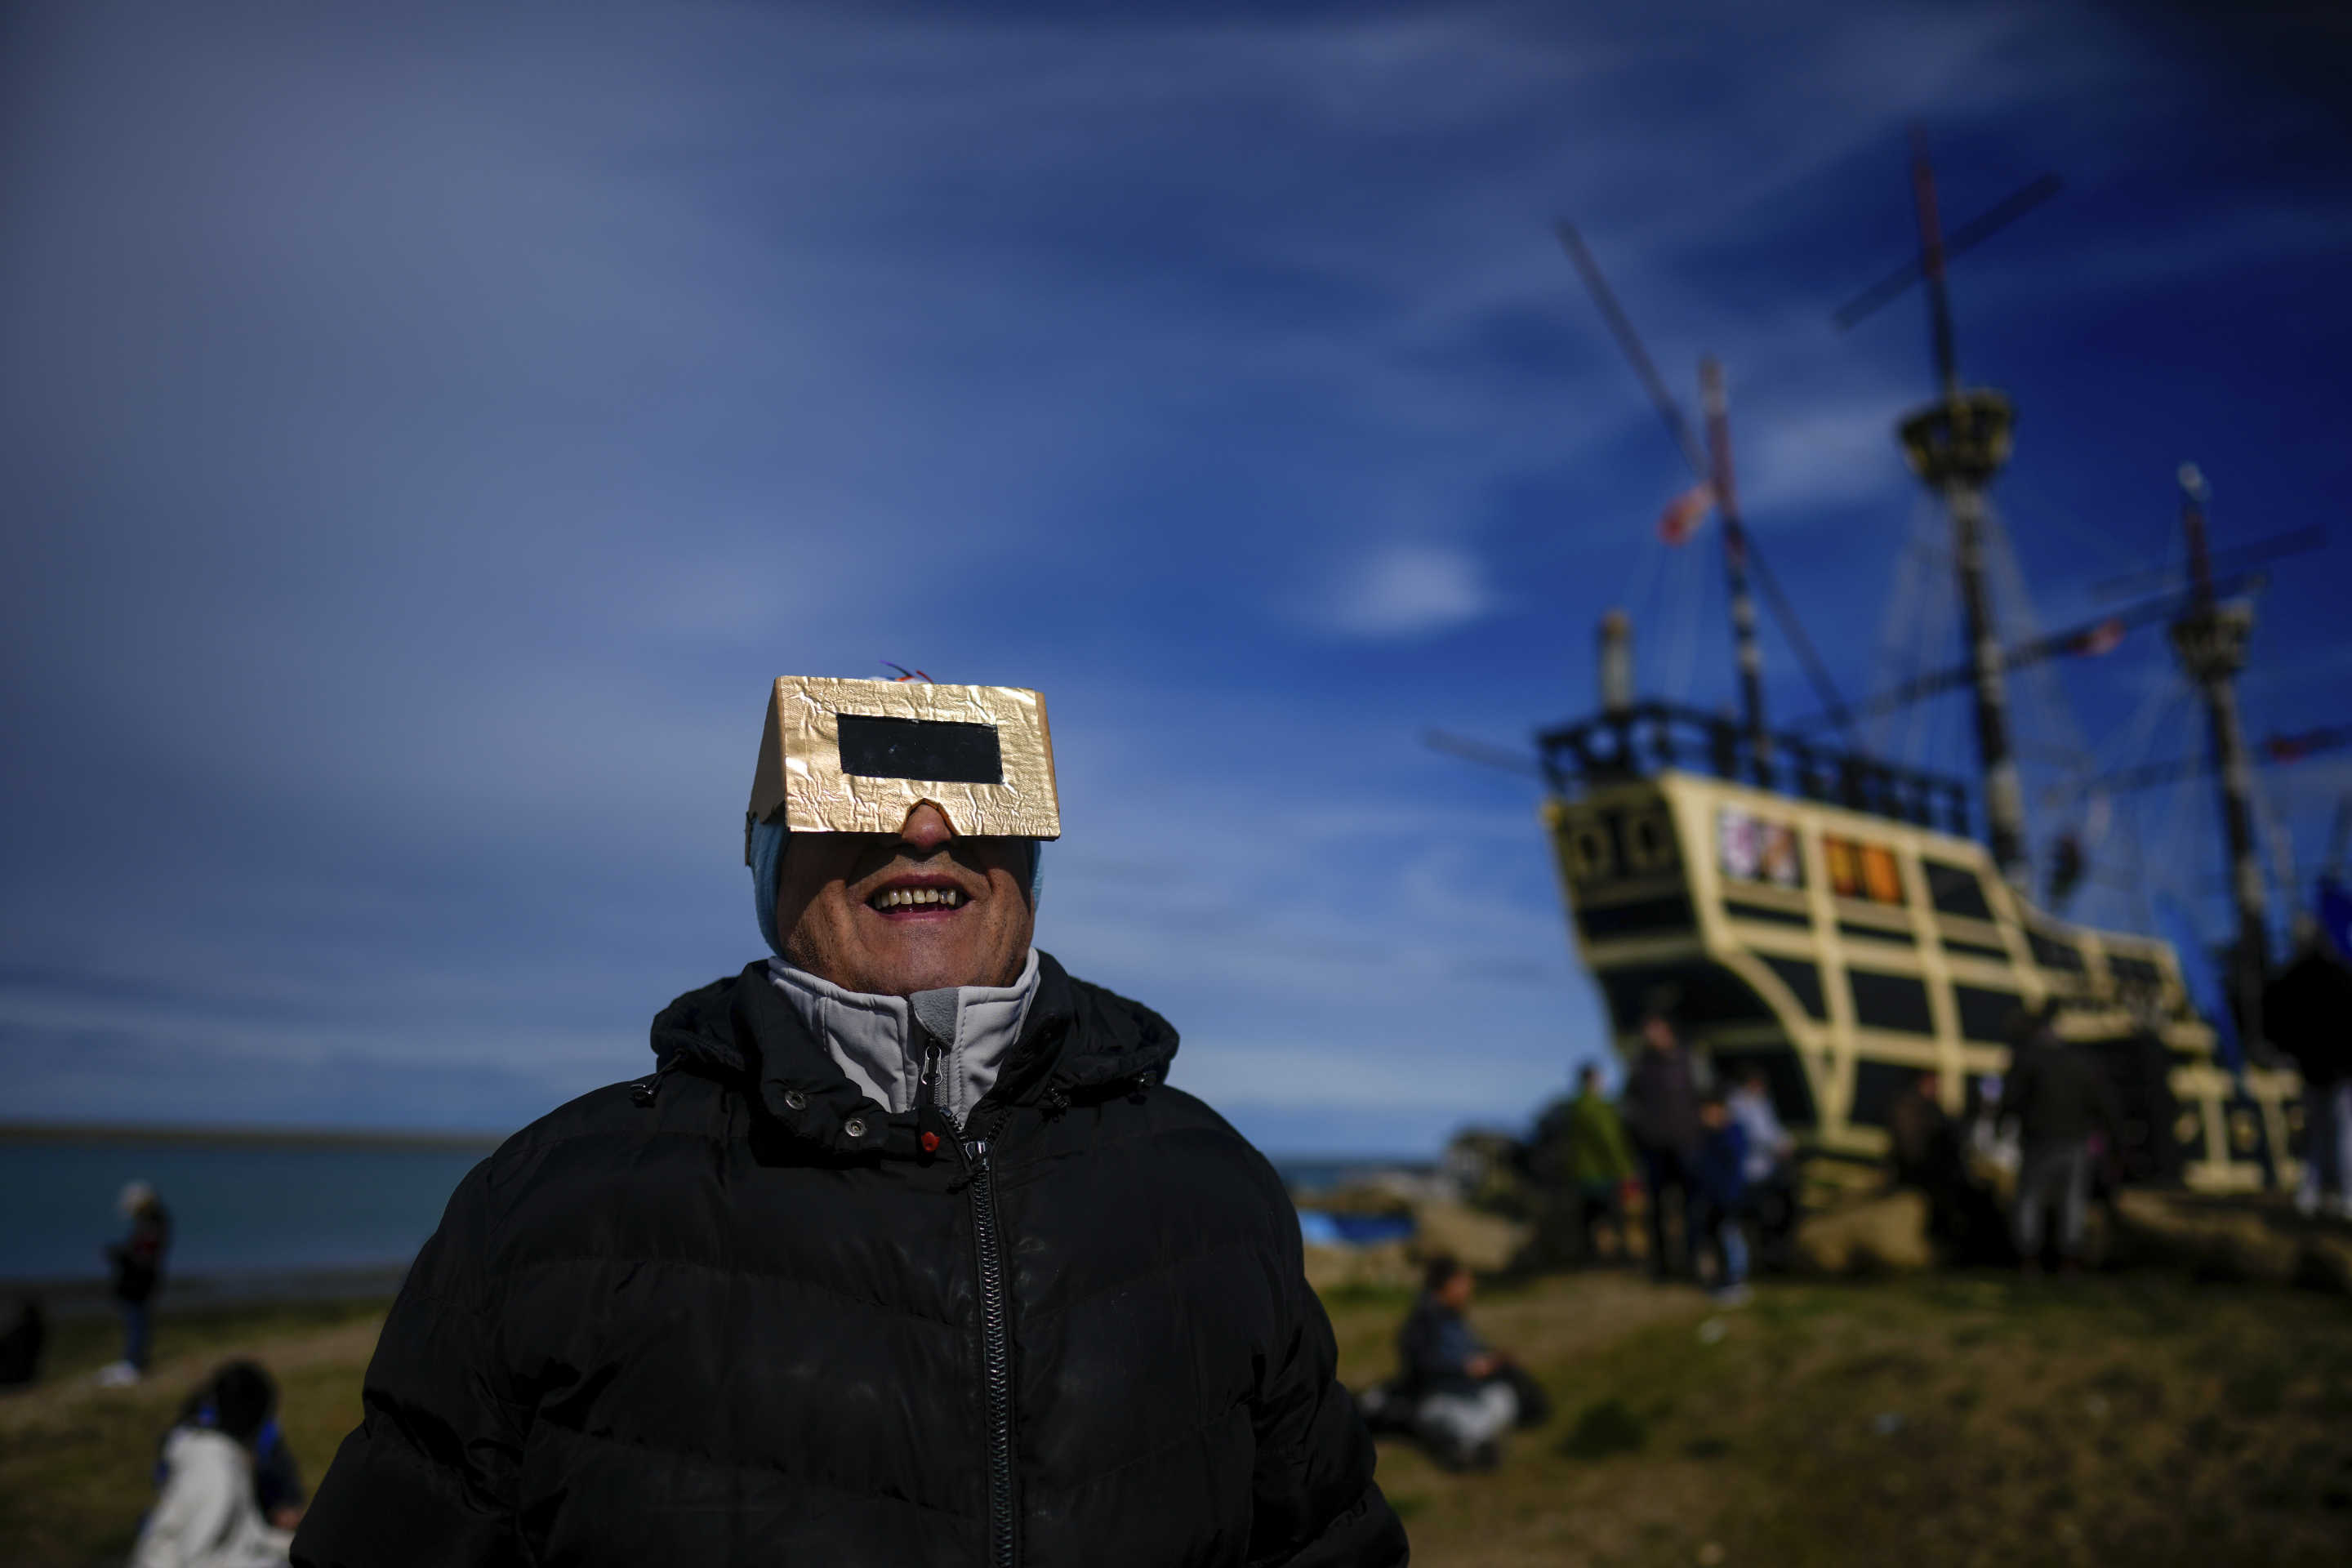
1647	737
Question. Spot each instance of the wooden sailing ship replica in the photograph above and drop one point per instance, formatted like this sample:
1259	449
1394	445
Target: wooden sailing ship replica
1831	921
1845	925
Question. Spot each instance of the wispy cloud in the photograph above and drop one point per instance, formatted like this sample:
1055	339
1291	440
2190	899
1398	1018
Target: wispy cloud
1822	455
1408	590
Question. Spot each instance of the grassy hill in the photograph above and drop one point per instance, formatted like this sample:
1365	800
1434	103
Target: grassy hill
2127	1418
2134	1417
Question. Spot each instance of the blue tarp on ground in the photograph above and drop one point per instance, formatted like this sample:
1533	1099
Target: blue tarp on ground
1317	1228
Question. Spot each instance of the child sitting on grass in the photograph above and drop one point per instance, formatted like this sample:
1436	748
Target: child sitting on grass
209	1515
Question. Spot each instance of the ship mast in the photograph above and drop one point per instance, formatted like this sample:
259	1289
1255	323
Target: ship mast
1711	464
1714	406
1956	444
2210	638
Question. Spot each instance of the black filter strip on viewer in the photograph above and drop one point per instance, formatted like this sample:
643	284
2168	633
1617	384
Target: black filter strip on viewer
941	751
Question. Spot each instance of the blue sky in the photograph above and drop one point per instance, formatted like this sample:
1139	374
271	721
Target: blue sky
423	442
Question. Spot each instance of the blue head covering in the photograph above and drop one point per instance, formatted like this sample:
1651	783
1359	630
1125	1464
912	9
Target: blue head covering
767	855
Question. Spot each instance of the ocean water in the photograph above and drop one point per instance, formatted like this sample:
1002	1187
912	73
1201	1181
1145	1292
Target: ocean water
235	1206
245	1207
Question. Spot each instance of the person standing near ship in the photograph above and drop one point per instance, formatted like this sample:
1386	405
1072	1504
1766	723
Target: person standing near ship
2057	1097
1719	1199
137	1262
1924	1154
904	1254
1580	1168
1771	1169
1600	1168
1661	1111
2307	1012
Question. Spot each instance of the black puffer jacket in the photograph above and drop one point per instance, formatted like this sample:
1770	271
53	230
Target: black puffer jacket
736	1315
2057	1095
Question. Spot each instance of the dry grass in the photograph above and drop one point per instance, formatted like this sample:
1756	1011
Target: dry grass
76	1461
2132	1418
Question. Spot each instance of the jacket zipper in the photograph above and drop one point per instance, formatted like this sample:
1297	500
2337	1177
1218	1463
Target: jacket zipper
995	1357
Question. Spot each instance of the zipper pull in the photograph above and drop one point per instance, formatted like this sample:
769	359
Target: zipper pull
972	1151
931	1125
972	1155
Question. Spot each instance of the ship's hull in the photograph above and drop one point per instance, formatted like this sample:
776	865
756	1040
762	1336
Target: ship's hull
1845	953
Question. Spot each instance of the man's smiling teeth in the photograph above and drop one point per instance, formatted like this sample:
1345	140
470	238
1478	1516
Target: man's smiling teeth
918	898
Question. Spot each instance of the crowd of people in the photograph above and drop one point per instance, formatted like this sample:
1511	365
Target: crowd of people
2061	1115
1713	1170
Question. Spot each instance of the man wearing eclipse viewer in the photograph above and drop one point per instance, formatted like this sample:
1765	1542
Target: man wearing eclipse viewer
904	1254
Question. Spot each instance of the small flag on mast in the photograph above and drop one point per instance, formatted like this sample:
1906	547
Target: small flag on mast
2098	641
1685	513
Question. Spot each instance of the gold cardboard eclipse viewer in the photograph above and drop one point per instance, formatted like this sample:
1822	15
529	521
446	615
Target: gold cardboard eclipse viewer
856	756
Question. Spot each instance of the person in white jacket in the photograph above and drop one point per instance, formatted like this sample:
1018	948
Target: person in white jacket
206	1516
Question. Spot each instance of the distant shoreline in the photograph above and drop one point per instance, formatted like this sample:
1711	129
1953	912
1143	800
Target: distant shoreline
87	1296
243	1137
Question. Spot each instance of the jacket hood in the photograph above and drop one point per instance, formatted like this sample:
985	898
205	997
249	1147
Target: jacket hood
1079	1040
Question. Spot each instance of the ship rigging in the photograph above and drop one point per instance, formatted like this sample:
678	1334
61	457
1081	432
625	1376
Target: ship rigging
1845	921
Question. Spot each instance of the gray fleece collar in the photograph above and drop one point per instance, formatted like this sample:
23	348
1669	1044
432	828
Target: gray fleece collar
879	1041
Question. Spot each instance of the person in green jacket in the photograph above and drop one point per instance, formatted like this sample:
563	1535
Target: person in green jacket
1581	1165
1599	1163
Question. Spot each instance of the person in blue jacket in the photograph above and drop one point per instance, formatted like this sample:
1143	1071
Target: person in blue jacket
1719	1180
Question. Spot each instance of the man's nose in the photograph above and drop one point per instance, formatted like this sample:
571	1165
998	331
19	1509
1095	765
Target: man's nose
927	828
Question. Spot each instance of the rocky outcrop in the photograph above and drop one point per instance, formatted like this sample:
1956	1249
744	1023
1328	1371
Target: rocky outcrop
2258	1238
1876	1235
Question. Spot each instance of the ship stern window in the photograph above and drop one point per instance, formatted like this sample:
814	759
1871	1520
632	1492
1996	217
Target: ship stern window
1985	1014
1751	848
1893	1002
1955	890
1867	872
1803	979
